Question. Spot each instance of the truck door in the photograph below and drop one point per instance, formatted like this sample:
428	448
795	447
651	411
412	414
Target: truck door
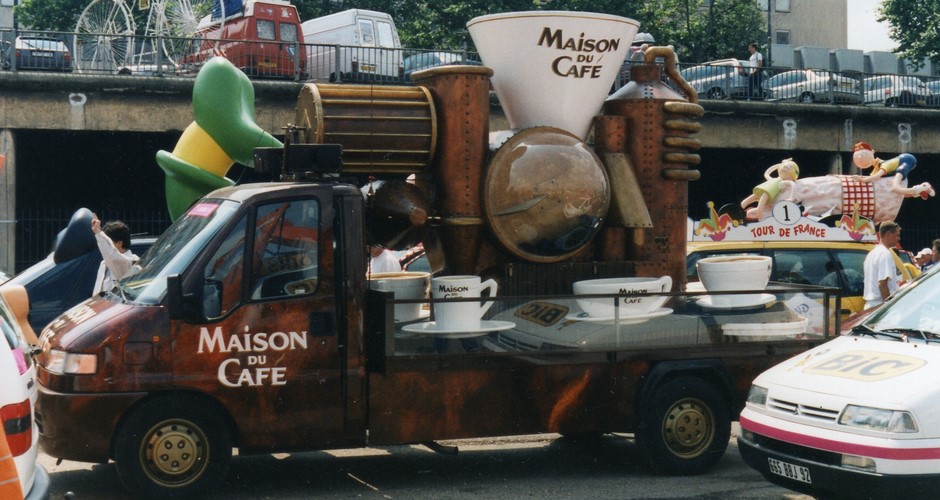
267	348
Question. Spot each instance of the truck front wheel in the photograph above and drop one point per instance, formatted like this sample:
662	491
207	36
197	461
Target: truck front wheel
685	427
172	447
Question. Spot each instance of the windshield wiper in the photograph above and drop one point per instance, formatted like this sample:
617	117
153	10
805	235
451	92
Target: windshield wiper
871	332
920	333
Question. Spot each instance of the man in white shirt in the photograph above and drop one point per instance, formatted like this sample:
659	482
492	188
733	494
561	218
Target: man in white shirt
114	242
754	71
881	274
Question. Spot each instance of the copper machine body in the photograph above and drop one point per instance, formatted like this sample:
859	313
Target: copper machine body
438	130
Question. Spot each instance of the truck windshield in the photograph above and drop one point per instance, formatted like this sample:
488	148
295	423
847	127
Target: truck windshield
914	313
175	250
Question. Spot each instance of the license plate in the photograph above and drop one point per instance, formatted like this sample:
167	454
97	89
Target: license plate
789	471
846	85
41	54
368	67
266	64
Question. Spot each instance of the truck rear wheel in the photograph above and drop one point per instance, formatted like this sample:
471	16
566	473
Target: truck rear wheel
685	427
172	447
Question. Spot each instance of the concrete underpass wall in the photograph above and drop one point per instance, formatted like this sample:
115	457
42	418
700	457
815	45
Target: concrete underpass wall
92	131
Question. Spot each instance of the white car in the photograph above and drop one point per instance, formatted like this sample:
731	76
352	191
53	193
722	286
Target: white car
18	393
810	85
856	417
896	90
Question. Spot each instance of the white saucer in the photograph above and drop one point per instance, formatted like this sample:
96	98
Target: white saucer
432	328
740	302
624	320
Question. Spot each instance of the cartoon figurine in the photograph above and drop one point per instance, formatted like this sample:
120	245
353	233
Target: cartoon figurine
764	193
900	166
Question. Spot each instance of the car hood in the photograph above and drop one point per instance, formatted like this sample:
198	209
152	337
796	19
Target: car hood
862	370
69	331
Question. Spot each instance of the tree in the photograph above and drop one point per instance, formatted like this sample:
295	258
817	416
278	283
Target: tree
50	15
915	25
698	33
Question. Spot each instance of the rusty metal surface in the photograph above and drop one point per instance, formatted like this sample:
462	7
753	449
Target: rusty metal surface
383	129
660	121
461	101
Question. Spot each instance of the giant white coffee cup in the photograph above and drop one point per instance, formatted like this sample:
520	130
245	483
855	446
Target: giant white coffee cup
406	286
457	316
552	68
603	307
733	272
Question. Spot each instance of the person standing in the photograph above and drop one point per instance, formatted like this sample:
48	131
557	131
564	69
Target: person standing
881	274
755	65
114	243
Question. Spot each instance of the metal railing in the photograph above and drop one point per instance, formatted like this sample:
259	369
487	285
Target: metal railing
160	56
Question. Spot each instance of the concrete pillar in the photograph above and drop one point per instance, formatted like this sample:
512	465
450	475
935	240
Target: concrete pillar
835	165
7	202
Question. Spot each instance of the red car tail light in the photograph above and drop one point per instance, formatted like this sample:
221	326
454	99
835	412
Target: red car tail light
18	425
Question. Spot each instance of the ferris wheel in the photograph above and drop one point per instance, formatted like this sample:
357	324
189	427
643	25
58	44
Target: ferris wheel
107	37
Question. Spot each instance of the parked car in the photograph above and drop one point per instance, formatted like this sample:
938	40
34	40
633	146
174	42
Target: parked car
427	60
810	85
718	79
18	393
895	90
855	417
40	53
54	288
933	101
54	285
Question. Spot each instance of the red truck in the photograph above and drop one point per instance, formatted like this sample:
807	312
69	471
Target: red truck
252	322
263	40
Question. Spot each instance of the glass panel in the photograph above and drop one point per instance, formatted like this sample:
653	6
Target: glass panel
386	38
367	32
285	249
288	32
265	29
226	269
804	267
851	263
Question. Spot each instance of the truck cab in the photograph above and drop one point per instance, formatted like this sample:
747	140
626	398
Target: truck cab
249	283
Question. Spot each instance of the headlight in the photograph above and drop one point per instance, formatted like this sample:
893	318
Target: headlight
878	419
757	395
70	363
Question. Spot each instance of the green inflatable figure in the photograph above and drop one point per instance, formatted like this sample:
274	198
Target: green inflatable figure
223	132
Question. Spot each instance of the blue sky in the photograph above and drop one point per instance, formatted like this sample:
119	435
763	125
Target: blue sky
864	32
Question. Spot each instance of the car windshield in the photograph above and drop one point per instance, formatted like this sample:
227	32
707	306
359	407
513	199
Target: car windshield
175	250
42	44
913	314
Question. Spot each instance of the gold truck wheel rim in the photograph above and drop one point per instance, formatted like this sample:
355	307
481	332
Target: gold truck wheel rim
175	453
688	428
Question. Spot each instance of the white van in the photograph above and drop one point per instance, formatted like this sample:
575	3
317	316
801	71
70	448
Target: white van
856	417
355	44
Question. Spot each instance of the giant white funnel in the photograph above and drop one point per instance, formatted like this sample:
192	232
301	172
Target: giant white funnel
552	68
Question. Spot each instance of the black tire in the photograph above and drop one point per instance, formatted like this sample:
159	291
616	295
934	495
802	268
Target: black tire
197	444
715	93
685	427
891	103
807	98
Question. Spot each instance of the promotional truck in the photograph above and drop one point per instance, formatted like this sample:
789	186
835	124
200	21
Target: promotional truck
253	322
856	417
